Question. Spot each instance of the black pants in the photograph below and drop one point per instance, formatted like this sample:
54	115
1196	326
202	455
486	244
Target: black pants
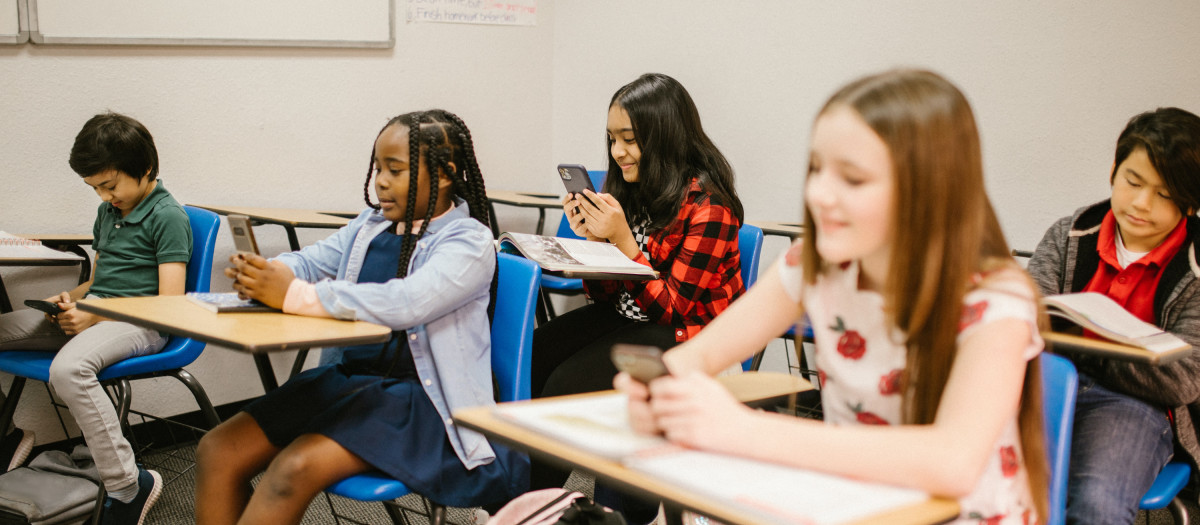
571	356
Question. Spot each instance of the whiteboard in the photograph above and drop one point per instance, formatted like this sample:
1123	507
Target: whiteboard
286	23
12	22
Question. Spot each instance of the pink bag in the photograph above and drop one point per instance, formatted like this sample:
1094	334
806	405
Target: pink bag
548	506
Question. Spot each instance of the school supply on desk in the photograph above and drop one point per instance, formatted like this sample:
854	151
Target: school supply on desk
768	492
243	233
575	258
1104	317
228	303
14	247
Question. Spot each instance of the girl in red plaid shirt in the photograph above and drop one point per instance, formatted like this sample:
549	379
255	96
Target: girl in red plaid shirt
669	203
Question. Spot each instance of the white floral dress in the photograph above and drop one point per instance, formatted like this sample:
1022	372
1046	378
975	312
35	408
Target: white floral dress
860	369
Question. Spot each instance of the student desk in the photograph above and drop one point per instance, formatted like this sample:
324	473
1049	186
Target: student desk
64	242
541	201
1072	343
784	229
255	333
289	218
746	387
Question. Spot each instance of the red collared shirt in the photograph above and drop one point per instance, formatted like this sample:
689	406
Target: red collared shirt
1133	287
698	264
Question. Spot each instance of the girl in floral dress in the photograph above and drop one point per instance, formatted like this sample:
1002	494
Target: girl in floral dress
926	330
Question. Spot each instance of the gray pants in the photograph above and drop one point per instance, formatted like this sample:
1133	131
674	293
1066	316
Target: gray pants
73	375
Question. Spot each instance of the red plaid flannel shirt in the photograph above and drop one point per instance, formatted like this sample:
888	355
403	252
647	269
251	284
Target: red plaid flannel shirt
698	264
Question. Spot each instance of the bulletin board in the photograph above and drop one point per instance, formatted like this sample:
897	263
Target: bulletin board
272	23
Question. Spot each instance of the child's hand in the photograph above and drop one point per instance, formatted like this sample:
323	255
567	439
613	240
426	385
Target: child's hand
604	217
266	281
60	299
232	272
73	320
640	417
575	217
694	410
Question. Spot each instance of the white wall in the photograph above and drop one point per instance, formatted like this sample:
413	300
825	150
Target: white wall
1051	84
258	127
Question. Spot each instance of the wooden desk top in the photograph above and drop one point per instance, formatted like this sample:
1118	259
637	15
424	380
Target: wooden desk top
746	387
786	229
248	332
58	238
282	216
525	199
1071	343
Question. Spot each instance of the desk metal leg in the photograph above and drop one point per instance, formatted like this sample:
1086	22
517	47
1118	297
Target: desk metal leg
292	239
5	305
266	373
492	218
541	221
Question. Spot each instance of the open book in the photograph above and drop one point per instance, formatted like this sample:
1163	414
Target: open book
14	247
766	492
576	258
227	302
1104	317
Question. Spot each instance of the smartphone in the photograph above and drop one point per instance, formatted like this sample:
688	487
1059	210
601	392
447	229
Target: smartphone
643	363
243	234
45	306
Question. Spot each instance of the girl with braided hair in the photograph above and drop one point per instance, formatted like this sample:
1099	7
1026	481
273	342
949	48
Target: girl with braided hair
421	261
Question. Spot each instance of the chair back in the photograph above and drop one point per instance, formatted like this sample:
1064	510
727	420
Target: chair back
564	227
512	326
179	351
750	240
1059	388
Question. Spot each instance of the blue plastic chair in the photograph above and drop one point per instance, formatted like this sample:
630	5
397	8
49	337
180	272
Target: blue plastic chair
178	352
750	241
553	284
1165	491
1060	384
512	351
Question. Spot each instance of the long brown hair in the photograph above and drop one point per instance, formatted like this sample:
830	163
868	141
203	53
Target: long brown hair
943	233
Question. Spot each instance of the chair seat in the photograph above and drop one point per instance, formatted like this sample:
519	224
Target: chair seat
1169	482
372	486
178	353
561	284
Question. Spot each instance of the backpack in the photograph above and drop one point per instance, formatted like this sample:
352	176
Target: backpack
555	506
55	488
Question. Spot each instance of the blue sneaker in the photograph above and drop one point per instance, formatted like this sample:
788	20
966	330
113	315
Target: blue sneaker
134	513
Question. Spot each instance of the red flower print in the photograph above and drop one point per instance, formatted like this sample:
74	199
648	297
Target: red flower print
971	314
1008	461
821	378
851	345
866	418
889	384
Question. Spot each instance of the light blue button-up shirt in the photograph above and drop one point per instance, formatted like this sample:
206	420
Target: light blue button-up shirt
442	303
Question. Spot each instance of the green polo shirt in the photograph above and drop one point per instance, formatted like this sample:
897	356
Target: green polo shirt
129	249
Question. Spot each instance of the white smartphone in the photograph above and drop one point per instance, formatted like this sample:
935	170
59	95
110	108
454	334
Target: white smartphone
243	234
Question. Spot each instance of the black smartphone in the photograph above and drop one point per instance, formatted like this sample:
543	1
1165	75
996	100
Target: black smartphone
575	178
643	363
243	234
45	306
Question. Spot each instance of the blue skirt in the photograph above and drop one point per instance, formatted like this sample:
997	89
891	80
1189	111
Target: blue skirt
390	423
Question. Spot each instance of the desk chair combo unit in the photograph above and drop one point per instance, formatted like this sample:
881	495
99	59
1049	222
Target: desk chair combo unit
178	352
512	348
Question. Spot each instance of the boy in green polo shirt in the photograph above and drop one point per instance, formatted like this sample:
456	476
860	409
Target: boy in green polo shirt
143	242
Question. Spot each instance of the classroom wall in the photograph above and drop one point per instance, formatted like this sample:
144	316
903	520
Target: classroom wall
257	127
1051	85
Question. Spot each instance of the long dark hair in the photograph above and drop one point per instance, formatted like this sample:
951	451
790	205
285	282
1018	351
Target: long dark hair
674	150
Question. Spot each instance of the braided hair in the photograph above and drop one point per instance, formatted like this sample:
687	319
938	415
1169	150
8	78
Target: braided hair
436	138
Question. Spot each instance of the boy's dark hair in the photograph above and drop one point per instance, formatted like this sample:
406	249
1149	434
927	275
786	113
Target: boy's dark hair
112	141
674	147
1171	138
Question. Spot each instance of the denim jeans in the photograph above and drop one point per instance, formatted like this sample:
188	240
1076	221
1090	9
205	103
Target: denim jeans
1120	443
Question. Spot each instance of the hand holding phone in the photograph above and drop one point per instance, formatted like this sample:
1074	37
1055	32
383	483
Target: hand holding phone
45	306
643	363
576	179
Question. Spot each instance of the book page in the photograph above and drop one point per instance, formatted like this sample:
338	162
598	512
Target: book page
1104	316
599	254
775	492
14	247
599	424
